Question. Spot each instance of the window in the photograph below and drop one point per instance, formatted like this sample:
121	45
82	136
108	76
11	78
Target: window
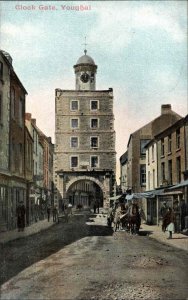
94	105
1	108
142	145
170	171
177	138
1	69
178	166
94	161
74	161
74	104
13	102
94	123
163	172
20	112
162	147
142	174
74	142
153	178
169	143
148	153
74	123
148	180
152	152
94	142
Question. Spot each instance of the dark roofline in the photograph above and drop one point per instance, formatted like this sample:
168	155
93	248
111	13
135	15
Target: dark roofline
13	72
149	123
176	125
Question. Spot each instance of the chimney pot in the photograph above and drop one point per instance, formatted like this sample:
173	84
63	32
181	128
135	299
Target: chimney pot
165	109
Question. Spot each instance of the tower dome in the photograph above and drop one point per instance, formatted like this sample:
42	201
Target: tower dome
85	59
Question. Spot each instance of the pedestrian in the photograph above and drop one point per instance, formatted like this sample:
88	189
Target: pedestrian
94	207
70	209
168	222
55	213
48	212
183	212
164	209
97	206
20	212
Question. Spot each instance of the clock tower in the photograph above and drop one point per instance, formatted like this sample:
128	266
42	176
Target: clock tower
85	70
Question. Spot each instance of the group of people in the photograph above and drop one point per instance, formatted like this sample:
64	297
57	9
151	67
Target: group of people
21	212
54	211
173	219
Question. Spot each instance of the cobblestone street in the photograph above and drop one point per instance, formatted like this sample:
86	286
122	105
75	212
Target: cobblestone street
84	259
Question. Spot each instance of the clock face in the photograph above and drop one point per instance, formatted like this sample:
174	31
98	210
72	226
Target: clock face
84	77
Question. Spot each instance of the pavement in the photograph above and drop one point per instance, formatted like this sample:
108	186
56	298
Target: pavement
178	240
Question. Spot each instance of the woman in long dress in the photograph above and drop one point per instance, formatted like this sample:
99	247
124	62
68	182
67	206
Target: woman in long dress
168	222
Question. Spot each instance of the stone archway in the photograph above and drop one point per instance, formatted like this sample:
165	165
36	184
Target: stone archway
76	180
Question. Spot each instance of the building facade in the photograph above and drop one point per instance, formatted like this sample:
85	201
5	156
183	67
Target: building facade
85	157
13	187
166	157
136	152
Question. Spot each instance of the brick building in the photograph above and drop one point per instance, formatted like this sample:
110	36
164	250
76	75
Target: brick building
85	157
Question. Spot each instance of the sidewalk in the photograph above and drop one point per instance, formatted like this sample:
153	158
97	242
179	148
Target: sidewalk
155	232
32	229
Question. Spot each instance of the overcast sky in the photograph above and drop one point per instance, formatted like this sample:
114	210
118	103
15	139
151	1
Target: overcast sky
140	48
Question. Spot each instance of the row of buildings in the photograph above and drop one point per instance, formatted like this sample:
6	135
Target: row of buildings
26	154
154	168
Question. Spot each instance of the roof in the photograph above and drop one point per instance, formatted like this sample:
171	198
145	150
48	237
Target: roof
85	59
8	60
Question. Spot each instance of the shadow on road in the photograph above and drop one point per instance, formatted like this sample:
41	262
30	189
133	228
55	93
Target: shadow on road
19	254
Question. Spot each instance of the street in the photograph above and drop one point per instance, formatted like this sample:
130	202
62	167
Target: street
85	259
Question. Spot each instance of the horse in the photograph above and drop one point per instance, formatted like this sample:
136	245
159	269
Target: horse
134	219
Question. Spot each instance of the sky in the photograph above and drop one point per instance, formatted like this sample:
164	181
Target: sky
140	48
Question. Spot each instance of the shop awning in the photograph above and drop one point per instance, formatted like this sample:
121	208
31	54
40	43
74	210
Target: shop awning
179	185
147	194
115	197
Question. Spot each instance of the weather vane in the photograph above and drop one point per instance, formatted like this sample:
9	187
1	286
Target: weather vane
85	51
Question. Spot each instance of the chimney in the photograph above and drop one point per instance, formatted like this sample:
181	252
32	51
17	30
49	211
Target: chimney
165	109
28	116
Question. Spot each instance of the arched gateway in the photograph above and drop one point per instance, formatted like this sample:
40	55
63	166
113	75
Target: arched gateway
85	190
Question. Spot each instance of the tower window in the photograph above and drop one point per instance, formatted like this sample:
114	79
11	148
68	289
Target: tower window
74	123
94	104
74	142
94	161
74	161
94	123
94	142
74	105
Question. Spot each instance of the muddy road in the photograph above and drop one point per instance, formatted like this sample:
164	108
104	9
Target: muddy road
84	259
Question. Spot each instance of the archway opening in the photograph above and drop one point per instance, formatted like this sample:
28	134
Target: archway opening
85	193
